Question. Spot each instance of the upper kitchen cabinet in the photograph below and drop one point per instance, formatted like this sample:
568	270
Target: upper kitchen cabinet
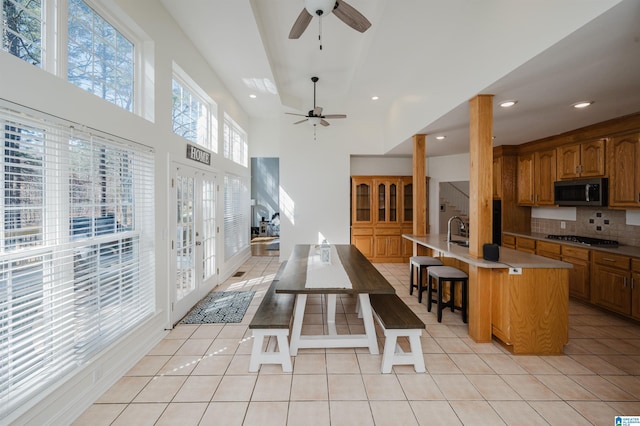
586	159
623	158
536	174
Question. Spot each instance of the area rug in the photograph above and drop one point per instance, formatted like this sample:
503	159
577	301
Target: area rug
220	307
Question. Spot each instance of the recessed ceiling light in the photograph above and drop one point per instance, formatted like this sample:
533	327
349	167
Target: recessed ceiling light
374	98
507	104
252	96
582	104
440	138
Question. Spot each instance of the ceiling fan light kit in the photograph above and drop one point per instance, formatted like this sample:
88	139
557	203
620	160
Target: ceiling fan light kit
320	7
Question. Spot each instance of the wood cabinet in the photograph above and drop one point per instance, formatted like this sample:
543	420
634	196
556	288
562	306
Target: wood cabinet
611	282
635	288
623	158
381	211
586	159
527	245
536	174
579	275
497	177
509	241
513	218
548	249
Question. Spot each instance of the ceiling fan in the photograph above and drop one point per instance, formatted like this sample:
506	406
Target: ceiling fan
343	10
315	115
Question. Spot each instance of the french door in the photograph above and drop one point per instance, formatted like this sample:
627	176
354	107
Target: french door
193	244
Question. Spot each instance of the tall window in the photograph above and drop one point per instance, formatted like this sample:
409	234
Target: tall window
100	58
76	249
235	142
236	215
22	28
194	116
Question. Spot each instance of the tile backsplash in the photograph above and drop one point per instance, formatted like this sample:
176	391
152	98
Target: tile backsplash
592	222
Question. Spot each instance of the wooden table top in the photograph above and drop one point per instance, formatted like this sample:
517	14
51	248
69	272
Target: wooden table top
364	277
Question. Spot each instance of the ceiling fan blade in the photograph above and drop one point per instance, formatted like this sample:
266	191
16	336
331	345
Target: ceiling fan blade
335	116
350	16
301	24
325	123
301	121
317	111
293	113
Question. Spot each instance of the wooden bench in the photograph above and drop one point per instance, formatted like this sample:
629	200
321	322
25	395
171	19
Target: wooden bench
398	320
273	318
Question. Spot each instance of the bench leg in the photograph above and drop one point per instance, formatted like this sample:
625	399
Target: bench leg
281	356
298	315
393	354
367	318
331	313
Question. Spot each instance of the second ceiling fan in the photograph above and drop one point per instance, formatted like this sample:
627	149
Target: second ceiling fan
315	115
343	10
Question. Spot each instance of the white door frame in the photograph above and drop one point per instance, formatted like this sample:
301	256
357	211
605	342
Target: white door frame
193	270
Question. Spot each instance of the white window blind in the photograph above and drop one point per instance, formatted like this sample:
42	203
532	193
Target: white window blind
236	215
76	248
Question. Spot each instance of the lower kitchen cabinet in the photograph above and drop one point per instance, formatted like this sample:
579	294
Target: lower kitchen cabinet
611	282
635	288
526	245
579	275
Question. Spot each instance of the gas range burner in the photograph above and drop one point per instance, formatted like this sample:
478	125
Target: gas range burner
587	241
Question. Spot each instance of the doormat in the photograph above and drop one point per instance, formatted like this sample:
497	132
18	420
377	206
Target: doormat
220	307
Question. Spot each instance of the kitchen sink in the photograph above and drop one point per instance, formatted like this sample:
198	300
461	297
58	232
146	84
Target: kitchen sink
460	243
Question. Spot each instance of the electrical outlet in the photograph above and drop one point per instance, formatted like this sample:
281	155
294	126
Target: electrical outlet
515	271
563	224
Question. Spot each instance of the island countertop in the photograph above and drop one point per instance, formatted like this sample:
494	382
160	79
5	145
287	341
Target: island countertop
509	258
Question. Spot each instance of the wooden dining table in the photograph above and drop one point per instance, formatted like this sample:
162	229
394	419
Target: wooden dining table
363	279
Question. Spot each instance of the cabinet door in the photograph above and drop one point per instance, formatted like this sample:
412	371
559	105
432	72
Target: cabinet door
387	200
624	170
361	201
580	274
394	246
526	179
568	162
545	176
509	241
407	201
592	158
635	291
579	278
364	243
611	289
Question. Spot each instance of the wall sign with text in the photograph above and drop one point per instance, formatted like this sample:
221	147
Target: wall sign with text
198	154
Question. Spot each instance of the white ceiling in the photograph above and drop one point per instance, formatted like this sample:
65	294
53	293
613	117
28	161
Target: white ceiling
425	59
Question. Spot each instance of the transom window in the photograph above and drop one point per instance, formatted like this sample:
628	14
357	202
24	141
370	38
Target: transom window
22	28
100	58
236	147
194	115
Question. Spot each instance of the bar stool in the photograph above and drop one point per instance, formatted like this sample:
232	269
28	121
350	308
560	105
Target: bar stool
421	262
451	275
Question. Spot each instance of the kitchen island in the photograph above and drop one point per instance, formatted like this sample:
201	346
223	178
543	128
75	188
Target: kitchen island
522	299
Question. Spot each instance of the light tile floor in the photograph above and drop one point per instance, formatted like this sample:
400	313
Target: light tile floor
198	375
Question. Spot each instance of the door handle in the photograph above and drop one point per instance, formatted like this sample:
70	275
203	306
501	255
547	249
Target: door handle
198	243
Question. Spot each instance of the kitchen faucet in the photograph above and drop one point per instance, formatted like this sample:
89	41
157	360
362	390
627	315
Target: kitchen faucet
449	226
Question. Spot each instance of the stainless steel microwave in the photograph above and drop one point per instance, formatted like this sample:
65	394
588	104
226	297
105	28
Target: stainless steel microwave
581	192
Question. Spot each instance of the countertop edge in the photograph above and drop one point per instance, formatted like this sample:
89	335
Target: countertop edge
508	258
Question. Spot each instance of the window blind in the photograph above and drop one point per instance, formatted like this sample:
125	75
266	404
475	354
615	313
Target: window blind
76	248
236	215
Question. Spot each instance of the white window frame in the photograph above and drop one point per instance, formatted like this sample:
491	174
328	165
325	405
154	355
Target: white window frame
209	138
236	146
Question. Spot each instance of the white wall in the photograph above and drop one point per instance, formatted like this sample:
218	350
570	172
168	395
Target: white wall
30	86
